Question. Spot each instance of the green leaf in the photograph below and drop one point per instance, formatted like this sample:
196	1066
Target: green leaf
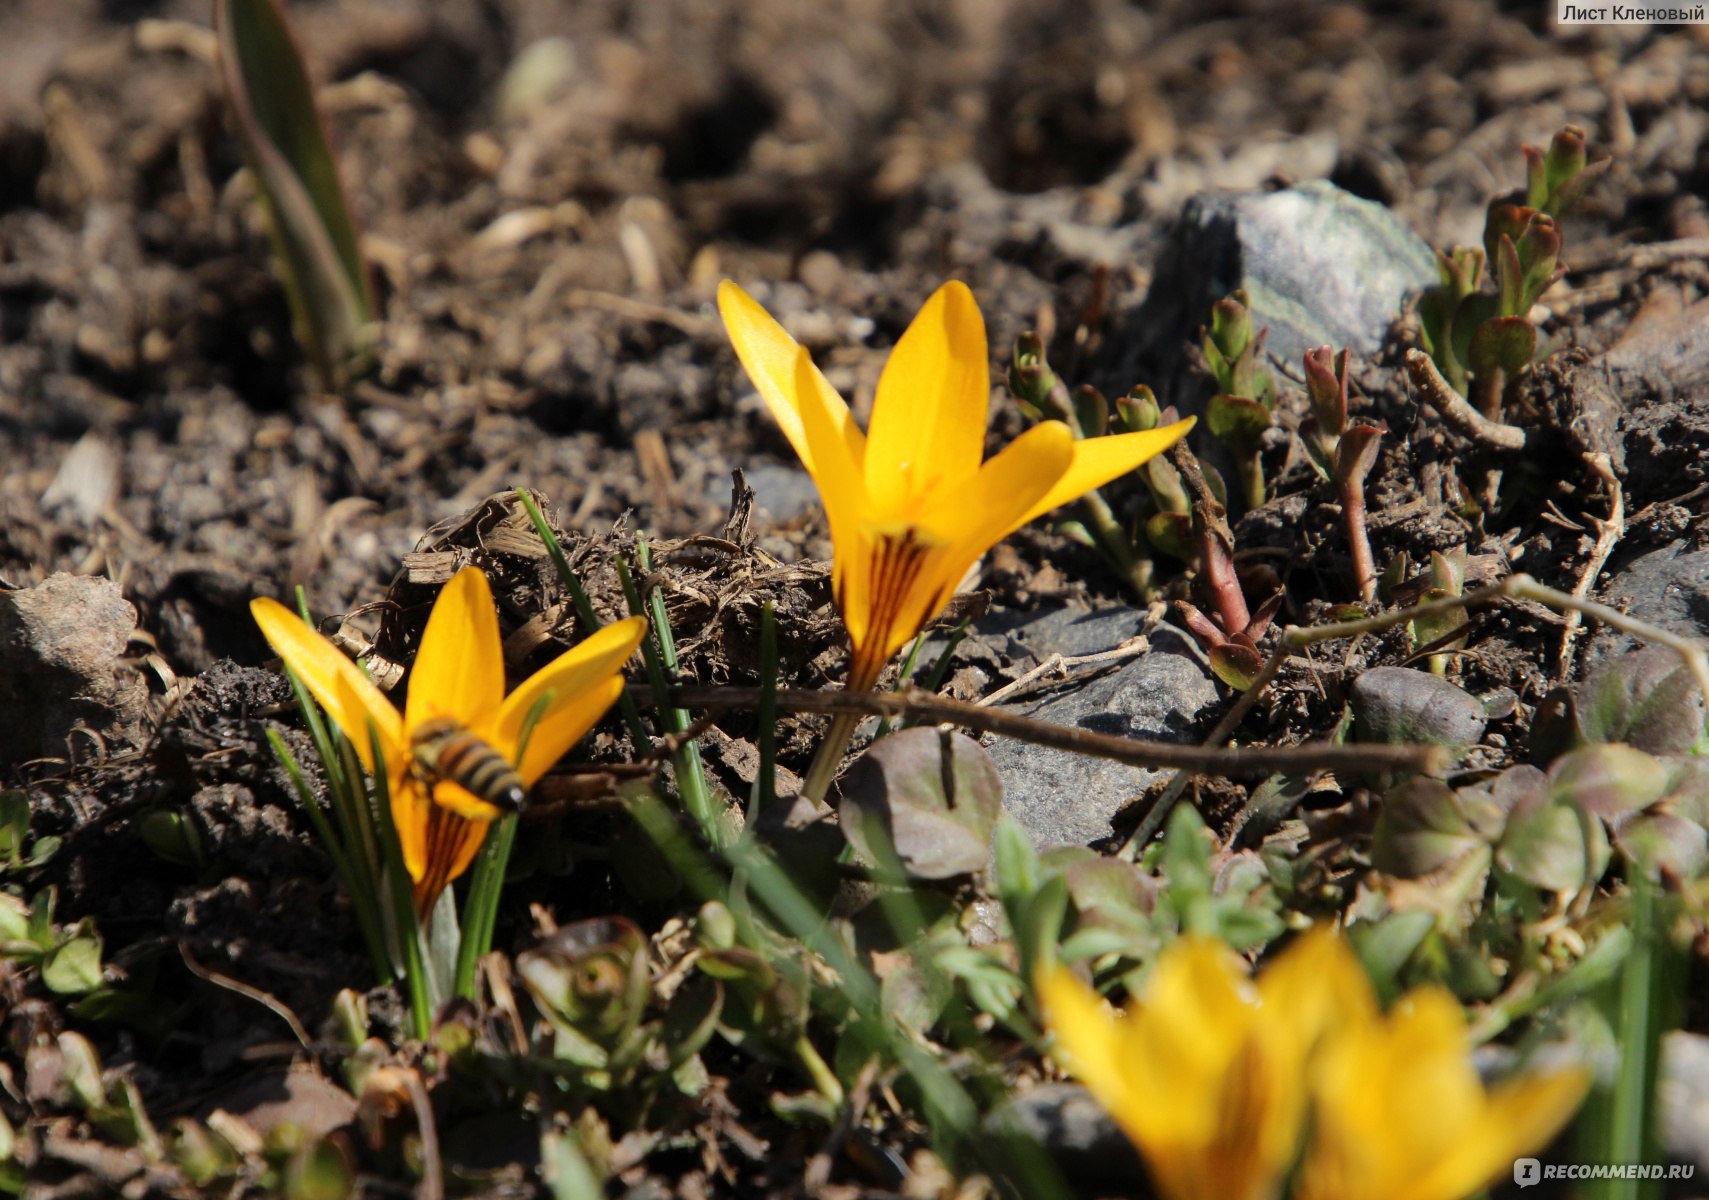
1646	699
1503	344
285	142
1091	411
75	967
320	1169
14	827
1238	421
1609	781
1016	862
1554	846
14	920
934	797
1385	946
1236	664
1469	315
1422	828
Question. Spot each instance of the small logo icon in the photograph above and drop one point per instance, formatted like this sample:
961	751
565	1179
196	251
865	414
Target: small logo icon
1527	1171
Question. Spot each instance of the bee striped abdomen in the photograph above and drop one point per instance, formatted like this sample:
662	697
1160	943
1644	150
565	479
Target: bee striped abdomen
445	750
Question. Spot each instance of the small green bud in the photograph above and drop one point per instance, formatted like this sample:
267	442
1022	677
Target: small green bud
1538	251
1030	376
715	926
1091	412
1504	220
350	1017
1326	383
1566	158
1231	325
172	835
1138	411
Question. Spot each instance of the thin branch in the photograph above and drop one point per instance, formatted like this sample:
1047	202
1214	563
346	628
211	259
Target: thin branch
923	706
266	999
1460	416
1608	534
1158	813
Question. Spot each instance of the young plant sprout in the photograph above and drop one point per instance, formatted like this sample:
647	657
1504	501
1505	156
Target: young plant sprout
455	693
912	502
1217	1078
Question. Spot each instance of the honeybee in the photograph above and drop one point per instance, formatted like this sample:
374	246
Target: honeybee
441	748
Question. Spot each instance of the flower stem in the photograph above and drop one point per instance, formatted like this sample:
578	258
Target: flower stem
1124	557
863	673
1358	538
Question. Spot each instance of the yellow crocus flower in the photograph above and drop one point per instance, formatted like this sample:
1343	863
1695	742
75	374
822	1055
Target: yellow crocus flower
459	677
912	502
1205	1072
1400	1114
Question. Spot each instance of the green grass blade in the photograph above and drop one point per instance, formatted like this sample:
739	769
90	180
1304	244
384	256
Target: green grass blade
763	797
659	655
950	1110
308	217
590	621
367	917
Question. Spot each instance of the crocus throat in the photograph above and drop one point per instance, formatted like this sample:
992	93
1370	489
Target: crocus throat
893	567
446	831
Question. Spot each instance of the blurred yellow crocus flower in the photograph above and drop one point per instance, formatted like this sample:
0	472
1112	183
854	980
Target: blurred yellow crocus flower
1205	1072
1217	1078
1400	1113
457	684
912	502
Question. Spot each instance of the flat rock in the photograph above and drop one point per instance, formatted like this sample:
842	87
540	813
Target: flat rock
1667	587
61	644
1074	1130
1399	704
1319	265
1063	798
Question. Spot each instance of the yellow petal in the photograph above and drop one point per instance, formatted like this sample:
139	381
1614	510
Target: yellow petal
1315	984
410	809
902	575
768	354
1089	1043
1400	1114
1098	460
980	513
459	670
1523	1115
348	696
842	491
583	683
928	418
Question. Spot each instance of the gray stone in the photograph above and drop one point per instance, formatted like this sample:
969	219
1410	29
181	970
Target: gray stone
782	492
1319	265
60	648
1073	1129
1665	587
1399	704
1063	798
